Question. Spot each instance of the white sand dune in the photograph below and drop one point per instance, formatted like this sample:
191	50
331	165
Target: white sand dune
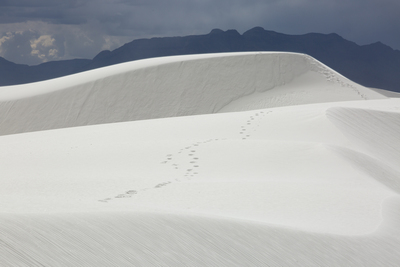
314	182
376	131
174	86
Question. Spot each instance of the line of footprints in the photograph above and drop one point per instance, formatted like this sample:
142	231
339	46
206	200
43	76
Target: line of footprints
189	167
332	77
252	124
188	155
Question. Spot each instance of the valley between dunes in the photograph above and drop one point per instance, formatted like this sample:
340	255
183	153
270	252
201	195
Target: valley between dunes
234	159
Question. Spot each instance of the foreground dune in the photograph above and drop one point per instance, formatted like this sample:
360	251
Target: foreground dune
315	184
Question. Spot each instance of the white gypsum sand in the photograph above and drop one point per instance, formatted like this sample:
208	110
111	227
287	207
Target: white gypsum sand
173	86
305	184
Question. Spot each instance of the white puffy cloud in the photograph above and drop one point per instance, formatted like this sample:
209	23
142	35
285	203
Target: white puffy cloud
53	52
28	47
44	48
4	39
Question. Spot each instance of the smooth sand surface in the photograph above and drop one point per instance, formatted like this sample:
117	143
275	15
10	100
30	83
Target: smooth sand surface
273	179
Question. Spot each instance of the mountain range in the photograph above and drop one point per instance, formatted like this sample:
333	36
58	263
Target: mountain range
375	65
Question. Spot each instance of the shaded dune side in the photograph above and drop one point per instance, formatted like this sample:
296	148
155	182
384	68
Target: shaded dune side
149	89
375	132
391	220
372	167
176	240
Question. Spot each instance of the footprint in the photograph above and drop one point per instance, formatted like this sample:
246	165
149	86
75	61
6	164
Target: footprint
162	184
123	196
105	200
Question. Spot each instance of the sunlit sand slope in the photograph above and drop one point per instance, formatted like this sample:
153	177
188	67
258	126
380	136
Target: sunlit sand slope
278	161
177	240
283	186
174	86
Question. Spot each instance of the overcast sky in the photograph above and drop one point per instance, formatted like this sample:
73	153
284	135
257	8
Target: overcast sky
36	31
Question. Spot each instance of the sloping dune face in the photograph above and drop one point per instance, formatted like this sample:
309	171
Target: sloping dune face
283	186
146	239
377	131
174	86
274	183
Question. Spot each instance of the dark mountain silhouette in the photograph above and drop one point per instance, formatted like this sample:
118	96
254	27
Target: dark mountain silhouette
11	73
375	65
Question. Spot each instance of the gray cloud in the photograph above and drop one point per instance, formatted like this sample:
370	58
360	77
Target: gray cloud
31	47
17	46
53	11
82	28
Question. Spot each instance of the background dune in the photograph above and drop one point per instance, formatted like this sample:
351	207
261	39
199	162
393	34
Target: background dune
173	86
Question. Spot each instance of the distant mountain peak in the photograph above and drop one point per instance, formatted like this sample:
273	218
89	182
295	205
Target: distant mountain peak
216	31
259	32
7	62
381	45
102	54
255	30
230	32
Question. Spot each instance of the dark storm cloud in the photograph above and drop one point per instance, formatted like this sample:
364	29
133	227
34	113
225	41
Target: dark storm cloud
87	26
41	3
362	21
54	11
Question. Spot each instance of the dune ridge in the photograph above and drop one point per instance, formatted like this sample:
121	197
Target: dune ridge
167	87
